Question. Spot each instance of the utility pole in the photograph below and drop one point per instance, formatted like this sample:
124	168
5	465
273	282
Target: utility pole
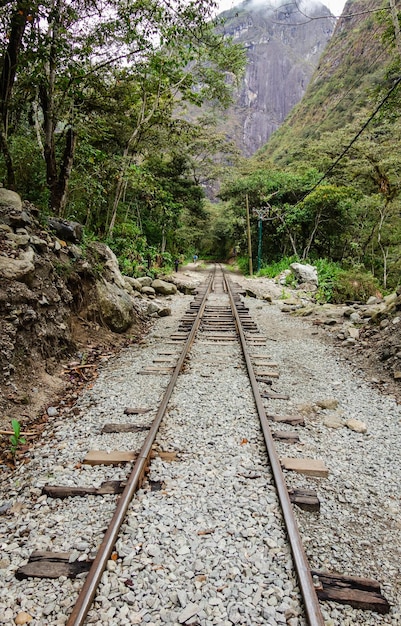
262	214
248	228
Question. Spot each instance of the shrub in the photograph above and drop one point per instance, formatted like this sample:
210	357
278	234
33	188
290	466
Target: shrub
276	267
353	286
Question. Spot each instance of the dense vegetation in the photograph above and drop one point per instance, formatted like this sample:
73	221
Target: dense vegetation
94	101
327	182
98	109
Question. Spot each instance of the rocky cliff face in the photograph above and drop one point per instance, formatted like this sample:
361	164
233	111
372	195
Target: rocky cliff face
283	49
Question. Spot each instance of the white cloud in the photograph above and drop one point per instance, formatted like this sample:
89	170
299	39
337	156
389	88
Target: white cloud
335	6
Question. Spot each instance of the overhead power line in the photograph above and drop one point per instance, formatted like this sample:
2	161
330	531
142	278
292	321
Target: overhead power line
354	139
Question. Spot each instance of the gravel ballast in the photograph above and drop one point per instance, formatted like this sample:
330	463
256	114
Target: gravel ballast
208	547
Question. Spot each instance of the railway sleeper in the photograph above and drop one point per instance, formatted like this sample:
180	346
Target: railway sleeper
305	499
360	593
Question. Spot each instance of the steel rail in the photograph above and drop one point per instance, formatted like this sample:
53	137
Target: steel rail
87	593
311	602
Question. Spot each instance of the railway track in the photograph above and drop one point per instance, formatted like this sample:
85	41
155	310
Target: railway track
169	570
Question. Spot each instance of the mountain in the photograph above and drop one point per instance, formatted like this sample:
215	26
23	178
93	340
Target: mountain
353	73
283	47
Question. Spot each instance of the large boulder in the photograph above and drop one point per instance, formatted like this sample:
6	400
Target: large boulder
163	287
21	269
115	306
66	230
148	291
108	262
10	199
145	281
133	283
305	273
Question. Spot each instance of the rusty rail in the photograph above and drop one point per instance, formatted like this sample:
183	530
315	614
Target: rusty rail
87	593
311	602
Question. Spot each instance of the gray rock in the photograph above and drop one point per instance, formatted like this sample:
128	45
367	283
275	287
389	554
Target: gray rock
373	300
38	243
327	403
163	287
134	283
66	230
356	425
145	281
148	291
19	240
355	318
76	251
10	199
305	273
188	612
164	311
333	421
153	307
115	306
21	269
352	332
111	270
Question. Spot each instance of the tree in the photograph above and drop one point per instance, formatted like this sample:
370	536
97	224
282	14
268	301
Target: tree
165	54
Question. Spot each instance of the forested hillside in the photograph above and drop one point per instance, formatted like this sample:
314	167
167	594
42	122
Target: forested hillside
97	126
328	179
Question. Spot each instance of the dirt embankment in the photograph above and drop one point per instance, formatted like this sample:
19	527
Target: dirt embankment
52	332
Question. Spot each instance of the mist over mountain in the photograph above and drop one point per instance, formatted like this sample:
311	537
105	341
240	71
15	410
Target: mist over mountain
283	46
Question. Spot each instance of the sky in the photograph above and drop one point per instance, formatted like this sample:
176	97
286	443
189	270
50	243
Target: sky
335	6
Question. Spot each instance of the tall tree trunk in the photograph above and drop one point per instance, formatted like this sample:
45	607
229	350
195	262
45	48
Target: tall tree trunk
9	64
8	159
57	179
58	191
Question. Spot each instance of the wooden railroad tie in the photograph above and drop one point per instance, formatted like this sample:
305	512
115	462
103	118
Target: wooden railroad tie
286	436
135	411
305	499
294	420
115	457
124	428
162	359
270	395
51	565
310	467
104	457
156	370
265	363
268	374
360	593
108	487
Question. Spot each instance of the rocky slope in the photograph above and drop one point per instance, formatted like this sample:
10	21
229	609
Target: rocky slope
283	47
63	306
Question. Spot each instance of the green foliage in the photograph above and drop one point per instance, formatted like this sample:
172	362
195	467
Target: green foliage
16	439
328	273
276	267
354	285
131	249
243	265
